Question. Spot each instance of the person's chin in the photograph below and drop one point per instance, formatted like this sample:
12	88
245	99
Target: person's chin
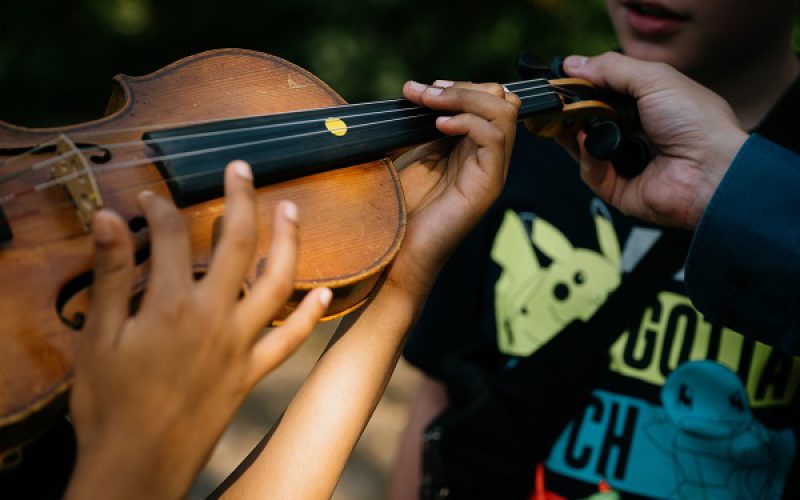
655	51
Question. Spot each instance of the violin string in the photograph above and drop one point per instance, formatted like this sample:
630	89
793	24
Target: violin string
133	163
55	182
30	152
15	159
149	128
517	86
423	113
146	161
135	187
542	83
70	205
121	145
197	135
199	152
119	165
566	92
196	152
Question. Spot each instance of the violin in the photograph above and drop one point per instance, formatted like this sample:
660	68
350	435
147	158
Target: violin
172	132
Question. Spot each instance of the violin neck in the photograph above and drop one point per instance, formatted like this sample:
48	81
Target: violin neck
287	145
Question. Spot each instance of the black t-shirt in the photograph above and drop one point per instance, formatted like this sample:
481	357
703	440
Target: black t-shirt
45	466
688	409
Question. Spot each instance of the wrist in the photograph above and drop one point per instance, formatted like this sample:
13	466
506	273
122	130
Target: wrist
402	296
115	470
719	157
727	146
410	285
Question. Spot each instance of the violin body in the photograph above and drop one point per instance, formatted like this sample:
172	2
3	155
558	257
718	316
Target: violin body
352	219
172	132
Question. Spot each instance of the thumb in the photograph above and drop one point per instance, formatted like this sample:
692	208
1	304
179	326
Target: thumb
620	73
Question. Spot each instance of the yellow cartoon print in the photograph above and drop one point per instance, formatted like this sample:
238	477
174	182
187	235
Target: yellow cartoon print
532	302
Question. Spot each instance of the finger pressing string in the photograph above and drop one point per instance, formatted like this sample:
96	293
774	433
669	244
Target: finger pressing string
465	100
113	274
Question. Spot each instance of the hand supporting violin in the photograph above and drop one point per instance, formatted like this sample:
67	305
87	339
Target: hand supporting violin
153	392
448	186
692	130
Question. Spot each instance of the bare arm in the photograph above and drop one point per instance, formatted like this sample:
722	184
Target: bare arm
447	189
153	392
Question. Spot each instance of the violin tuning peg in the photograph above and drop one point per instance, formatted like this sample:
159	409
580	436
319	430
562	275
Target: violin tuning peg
557	68
605	141
631	157
5	227
603	138
530	66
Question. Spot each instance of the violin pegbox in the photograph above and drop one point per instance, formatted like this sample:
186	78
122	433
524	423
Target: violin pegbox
610	121
579	109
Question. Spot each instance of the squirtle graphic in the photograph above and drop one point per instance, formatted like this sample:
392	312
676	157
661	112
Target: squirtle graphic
708	432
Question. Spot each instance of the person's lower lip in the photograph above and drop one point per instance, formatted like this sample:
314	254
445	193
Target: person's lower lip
651	25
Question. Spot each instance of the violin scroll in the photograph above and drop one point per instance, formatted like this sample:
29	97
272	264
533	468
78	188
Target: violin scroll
610	121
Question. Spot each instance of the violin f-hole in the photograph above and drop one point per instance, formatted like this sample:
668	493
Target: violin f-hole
72	300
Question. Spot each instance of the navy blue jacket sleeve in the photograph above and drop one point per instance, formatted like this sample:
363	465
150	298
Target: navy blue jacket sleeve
743	269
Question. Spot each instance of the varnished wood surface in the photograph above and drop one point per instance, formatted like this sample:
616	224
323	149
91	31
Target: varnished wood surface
351	220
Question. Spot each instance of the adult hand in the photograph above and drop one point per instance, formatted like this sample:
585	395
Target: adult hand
693	132
153	392
449	184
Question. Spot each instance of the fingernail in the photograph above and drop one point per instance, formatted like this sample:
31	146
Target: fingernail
325	296
243	170
443	119
434	91
101	228
416	86
290	211
443	83
143	195
575	62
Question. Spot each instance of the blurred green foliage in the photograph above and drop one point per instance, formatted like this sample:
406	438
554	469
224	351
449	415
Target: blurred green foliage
57	57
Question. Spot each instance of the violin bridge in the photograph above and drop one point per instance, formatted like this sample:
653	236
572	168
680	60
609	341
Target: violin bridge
76	175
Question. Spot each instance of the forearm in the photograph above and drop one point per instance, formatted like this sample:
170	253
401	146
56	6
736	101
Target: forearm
446	192
743	268
311	445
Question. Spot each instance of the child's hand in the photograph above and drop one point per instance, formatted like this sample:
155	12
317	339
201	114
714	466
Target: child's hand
449	184
154	391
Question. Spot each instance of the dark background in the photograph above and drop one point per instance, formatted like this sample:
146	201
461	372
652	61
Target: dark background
57	57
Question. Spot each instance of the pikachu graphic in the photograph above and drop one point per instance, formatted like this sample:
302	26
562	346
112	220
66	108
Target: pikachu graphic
533	303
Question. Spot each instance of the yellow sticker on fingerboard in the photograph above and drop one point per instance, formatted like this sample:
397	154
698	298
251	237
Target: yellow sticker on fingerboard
336	126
